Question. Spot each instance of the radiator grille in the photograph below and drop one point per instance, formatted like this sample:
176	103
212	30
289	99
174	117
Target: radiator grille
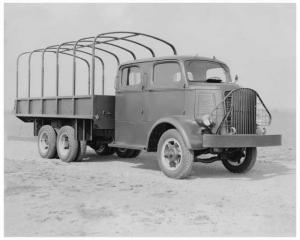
240	111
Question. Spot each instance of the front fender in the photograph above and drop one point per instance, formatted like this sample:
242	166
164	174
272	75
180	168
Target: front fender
189	130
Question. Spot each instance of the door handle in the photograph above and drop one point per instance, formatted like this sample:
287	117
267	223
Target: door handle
104	113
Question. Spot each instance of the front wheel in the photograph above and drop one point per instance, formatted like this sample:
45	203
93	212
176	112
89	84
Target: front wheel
240	161
174	158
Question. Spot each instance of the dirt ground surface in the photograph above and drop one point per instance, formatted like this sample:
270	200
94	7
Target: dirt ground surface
109	196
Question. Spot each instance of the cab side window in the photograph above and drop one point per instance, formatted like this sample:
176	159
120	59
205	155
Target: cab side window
131	77
167	75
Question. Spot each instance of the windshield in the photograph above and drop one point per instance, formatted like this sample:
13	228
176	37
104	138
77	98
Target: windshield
206	71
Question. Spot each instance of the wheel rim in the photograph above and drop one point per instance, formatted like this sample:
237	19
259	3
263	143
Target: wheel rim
239	160
171	154
44	143
64	145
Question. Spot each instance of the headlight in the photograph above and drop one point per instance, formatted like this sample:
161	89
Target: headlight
206	120
261	131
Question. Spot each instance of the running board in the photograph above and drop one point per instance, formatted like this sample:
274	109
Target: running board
124	145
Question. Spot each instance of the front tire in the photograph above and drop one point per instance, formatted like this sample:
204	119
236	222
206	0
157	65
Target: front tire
66	144
241	164
174	158
47	142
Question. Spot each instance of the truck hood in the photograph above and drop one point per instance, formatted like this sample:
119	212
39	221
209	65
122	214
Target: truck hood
208	95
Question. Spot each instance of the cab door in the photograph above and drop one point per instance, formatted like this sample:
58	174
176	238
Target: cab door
129	106
165	95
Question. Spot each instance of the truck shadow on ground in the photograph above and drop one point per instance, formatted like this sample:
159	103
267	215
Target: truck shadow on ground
262	170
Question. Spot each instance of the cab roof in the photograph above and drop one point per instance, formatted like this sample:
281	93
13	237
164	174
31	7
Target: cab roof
173	57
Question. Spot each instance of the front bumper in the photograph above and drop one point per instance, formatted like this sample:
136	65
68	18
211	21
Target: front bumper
240	140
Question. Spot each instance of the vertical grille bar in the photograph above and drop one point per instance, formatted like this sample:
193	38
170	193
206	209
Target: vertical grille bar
241	115
245	112
254	112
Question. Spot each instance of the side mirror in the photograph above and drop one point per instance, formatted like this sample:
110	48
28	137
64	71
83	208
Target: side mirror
236	78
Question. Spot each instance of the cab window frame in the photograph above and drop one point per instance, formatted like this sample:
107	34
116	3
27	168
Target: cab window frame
135	87
178	85
222	65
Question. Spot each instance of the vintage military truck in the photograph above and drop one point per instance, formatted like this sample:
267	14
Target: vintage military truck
185	108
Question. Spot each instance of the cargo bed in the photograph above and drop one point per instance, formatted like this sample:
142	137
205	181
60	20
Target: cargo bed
100	108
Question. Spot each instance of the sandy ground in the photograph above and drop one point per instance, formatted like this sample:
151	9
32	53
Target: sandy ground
108	196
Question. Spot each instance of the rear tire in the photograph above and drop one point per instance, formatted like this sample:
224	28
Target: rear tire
127	153
174	158
81	151
66	144
246	165
47	142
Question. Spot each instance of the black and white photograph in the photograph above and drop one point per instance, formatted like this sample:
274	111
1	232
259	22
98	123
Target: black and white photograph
140	119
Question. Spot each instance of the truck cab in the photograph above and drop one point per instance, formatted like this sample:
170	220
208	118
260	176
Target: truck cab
189	95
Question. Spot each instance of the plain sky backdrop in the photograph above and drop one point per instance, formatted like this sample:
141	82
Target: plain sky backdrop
257	41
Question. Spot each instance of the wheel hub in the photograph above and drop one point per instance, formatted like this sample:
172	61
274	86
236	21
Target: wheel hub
172	154
64	145
44	143
236	158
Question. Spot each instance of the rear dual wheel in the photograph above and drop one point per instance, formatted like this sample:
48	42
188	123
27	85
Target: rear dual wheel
68	148
61	143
